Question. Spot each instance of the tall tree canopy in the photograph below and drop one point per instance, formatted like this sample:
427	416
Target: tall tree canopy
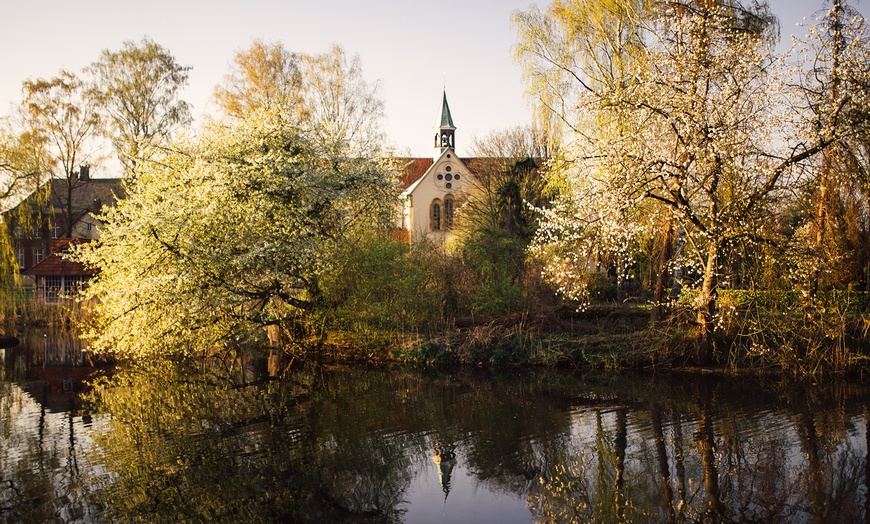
137	90
834	97
674	110
324	93
24	169
266	75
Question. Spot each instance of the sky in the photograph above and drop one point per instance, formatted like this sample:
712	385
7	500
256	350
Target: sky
412	48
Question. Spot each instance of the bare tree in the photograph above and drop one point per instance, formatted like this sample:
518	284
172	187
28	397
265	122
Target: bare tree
137	91
58	112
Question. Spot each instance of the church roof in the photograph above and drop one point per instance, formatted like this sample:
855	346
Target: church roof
446	118
412	169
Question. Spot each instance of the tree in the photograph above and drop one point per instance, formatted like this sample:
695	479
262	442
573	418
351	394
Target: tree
325	93
689	129
834	97
263	76
507	181
228	235
137	91
344	109
497	220
59	114
23	171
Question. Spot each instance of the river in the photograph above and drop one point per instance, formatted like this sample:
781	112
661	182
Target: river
195	443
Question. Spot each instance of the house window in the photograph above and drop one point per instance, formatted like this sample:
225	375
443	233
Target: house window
90	227
55	231
52	288
435	217
37	232
56	288
448	212
37	256
19	257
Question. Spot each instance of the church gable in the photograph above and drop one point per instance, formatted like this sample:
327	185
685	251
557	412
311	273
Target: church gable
430	202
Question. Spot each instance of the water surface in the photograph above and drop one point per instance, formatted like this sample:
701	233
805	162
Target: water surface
336	445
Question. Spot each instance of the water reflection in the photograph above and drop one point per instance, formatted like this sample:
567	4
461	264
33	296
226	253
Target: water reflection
43	446
175	443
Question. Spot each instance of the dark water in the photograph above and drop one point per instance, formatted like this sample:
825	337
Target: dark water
336	445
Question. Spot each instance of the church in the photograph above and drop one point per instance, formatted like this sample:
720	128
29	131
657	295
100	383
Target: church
429	201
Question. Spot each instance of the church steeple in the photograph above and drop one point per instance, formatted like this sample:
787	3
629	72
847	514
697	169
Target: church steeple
444	135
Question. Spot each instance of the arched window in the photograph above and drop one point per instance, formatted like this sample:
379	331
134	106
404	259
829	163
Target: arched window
435	216
448	212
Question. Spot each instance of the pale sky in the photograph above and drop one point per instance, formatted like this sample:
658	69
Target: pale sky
412	48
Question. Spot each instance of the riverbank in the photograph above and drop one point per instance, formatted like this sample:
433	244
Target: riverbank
603	336
611	337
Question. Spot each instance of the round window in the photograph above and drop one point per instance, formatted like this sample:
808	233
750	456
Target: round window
448	185
449	176
456	176
448	168
440	176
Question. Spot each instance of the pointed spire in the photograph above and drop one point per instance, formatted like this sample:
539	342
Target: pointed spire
444	133
446	118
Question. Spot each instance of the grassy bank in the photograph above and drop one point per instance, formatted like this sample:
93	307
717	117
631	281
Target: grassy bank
609	337
604	336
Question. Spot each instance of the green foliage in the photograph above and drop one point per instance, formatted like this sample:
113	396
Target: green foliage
226	236
381	283
493	260
841	301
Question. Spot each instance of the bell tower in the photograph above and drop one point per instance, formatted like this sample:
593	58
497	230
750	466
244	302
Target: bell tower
444	133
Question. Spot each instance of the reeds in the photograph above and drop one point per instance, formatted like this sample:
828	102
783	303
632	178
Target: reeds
20	309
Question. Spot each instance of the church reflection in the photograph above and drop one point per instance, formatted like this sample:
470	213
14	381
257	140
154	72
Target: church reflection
444	459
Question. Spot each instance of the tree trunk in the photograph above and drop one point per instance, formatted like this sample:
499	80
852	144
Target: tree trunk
667	494
679	246
706	306
662	272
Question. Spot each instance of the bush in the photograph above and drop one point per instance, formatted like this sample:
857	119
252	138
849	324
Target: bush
843	301
494	266
385	284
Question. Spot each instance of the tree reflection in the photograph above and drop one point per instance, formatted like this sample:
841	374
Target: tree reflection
39	471
346	446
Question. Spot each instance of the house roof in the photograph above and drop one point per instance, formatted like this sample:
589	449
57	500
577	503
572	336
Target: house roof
57	264
90	195
412	169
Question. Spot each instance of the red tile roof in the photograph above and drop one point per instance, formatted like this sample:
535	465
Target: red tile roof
57	264
410	169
